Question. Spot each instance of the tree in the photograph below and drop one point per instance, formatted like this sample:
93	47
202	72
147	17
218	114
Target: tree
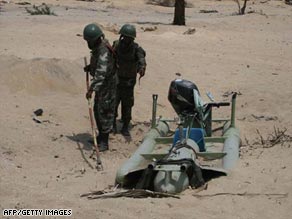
241	11
179	12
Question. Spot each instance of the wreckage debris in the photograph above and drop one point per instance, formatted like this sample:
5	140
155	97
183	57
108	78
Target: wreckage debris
145	29
190	31
36	120
185	149
266	118
208	11
38	112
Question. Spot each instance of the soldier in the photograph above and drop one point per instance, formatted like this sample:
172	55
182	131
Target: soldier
103	69
131	61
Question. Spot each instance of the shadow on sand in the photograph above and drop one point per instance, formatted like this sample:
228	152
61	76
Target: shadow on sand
83	144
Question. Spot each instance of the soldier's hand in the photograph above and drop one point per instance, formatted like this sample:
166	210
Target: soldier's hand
89	94
86	68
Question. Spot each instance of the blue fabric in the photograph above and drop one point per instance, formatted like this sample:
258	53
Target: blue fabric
196	134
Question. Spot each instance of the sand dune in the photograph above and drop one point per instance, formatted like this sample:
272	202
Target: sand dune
38	76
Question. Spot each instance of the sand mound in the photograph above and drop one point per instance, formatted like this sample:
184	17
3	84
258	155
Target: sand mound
40	75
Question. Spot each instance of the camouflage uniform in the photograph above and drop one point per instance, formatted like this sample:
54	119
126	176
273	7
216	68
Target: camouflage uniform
103	70
131	60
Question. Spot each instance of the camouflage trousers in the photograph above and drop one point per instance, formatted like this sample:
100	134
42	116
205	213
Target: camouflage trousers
125	96
104	111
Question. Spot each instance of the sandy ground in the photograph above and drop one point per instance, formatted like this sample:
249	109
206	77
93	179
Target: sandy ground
47	165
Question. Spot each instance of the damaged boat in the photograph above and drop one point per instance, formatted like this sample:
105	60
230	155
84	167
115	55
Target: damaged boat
172	161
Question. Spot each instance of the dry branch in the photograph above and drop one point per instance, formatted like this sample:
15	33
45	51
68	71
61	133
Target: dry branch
133	193
276	195
261	137
277	137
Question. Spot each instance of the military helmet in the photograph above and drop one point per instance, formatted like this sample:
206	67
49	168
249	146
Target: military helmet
128	30
92	32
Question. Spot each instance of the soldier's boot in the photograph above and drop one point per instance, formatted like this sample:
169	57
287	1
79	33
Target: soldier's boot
98	136
114	129
125	129
103	144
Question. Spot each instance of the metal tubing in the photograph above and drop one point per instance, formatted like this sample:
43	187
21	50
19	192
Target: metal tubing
154	108
232	141
146	147
233	110
231	148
